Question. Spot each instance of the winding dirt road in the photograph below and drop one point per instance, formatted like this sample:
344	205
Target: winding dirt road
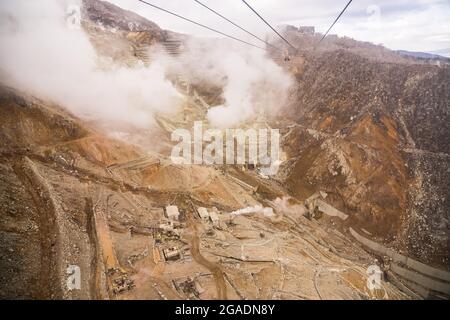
214	268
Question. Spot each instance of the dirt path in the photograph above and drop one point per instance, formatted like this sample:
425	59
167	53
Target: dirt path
103	233
95	283
212	267
50	278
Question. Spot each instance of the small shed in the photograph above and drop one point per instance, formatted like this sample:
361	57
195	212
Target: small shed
172	254
172	212
203	213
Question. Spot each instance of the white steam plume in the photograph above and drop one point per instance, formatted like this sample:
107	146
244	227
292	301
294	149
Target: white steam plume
41	55
252	83
266	211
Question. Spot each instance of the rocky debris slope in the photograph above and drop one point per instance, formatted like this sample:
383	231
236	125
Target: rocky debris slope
110	16
122	35
85	200
374	133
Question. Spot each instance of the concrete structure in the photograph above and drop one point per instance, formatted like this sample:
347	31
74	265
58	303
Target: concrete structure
315	202
172	212
173	47
289	28
330	210
172	254
420	277
397	257
167	225
188	286
310	30
423	281
203	213
211	215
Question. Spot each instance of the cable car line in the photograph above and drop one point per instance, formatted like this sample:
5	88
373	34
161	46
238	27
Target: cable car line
340	14
236	25
269	25
201	25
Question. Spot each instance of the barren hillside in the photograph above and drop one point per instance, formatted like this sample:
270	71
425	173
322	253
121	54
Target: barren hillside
375	135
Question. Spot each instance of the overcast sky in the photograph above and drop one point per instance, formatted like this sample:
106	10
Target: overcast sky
415	25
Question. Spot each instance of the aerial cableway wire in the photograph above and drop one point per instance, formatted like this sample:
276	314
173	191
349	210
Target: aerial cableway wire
236	25
340	14
273	29
201	25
